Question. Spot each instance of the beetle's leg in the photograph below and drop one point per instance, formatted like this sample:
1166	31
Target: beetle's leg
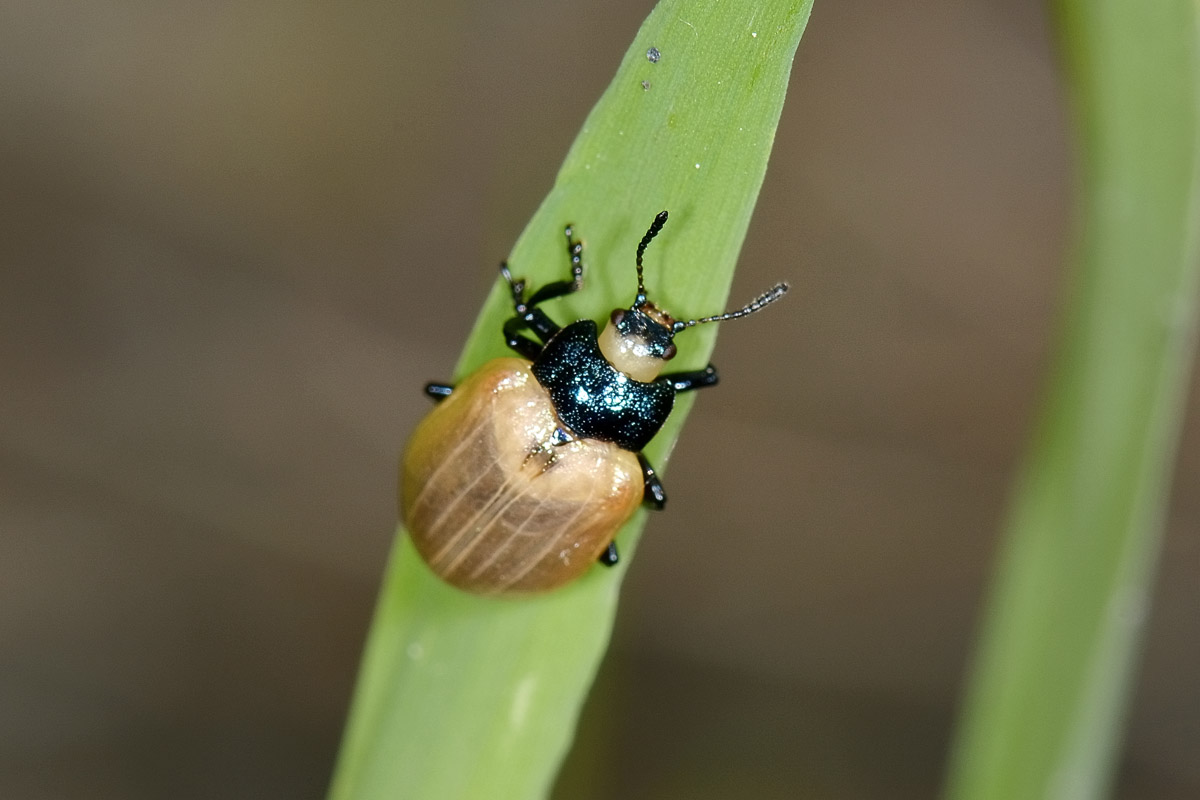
560	288
527	318
609	557
438	391
534	320
653	493
550	290
527	347
537	321
689	381
516	286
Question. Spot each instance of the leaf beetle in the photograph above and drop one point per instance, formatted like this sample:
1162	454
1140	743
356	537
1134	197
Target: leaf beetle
519	478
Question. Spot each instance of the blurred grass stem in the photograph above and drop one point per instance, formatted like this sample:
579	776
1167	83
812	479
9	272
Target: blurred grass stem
1045	707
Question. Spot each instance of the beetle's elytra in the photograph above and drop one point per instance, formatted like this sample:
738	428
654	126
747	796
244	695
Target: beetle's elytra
520	477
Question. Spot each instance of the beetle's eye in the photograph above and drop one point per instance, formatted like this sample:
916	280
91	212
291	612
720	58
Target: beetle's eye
669	352
617	315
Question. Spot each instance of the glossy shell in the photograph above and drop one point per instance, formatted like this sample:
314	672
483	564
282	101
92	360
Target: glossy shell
494	505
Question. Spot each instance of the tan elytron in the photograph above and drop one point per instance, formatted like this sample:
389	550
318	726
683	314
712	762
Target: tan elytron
494	505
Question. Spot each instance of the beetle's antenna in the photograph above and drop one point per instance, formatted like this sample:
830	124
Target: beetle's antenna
765	299
655	227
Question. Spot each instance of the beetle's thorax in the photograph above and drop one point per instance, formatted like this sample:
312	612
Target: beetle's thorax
638	341
593	397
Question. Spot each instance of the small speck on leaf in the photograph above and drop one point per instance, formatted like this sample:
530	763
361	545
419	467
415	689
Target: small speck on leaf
652	55
646	85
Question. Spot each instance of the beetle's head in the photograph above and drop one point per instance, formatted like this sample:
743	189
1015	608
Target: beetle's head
638	340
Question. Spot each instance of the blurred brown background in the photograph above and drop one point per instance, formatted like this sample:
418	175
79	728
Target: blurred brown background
236	238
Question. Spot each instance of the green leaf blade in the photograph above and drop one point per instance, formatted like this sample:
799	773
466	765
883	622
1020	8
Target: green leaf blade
468	697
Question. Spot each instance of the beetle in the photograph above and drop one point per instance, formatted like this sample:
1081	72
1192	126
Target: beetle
519	478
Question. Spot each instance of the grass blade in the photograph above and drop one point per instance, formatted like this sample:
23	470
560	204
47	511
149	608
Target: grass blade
463	697
1043	715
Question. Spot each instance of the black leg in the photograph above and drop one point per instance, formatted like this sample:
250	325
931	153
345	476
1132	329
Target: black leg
533	320
528	315
689	381
538	322
527	318
522	344
560	288
609	557
438	391
654	494
516	287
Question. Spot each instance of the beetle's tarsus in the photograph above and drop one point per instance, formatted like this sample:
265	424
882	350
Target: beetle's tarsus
690	381
516	287
609	557
654	495
438	391
562	288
